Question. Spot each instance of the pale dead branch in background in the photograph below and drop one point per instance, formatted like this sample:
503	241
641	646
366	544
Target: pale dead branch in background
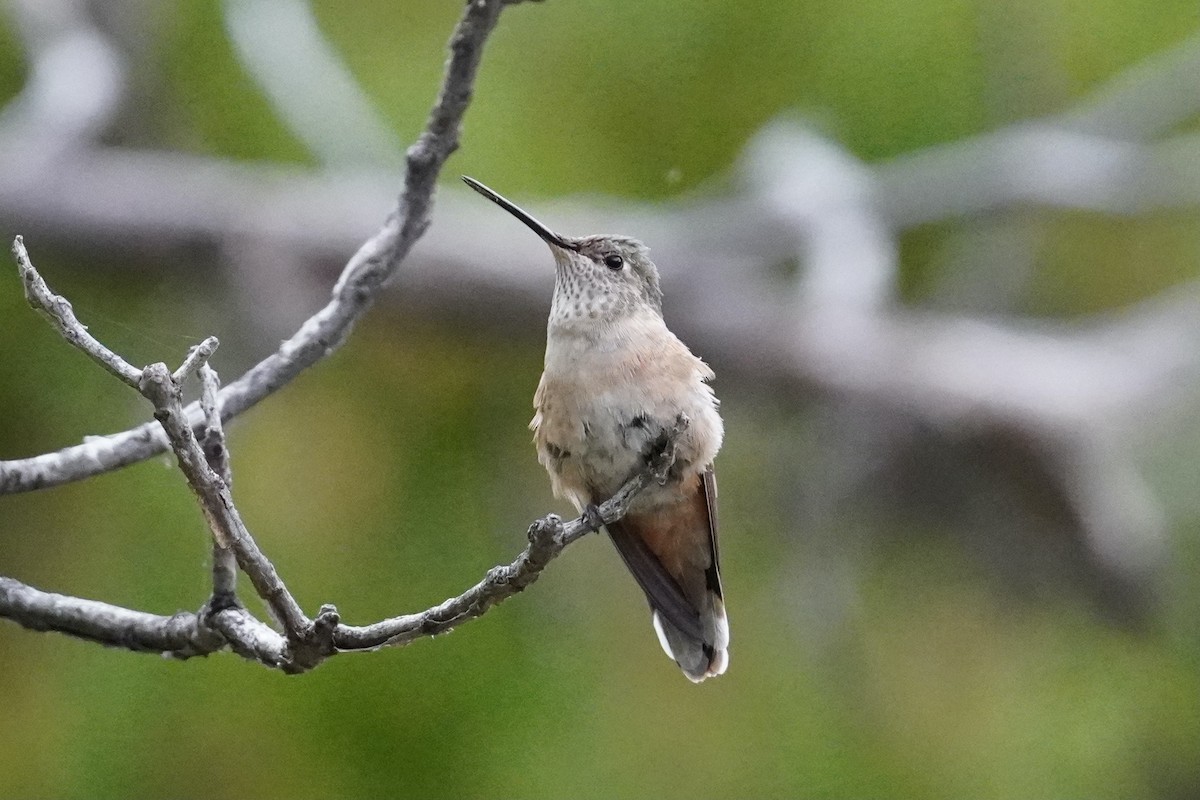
280	45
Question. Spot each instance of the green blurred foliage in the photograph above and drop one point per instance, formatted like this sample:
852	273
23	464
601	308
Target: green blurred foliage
398	471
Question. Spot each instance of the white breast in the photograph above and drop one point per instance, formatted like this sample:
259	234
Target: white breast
597	378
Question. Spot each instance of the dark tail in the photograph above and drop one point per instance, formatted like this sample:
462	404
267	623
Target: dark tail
672	552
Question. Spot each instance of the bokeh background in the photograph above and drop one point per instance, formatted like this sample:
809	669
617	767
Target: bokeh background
934	626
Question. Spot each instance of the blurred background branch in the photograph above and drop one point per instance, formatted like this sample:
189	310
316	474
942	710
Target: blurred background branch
279	43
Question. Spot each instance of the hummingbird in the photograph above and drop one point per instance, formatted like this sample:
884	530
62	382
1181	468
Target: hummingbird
615	379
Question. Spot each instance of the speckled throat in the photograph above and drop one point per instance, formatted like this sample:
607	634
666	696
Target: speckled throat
579	300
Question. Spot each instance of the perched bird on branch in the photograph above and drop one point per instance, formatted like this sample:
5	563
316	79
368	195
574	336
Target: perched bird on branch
615	381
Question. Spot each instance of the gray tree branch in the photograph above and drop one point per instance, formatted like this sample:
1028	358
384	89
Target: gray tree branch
353	294
838	329
60	314
222	622
187	634
306	642
224	563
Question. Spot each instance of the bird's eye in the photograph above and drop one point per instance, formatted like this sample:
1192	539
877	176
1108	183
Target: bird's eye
614	262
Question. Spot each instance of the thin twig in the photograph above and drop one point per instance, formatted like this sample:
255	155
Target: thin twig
547	539
58	311
197	357
250	638
217	503
102	622
181	635
354	293
185	634
224	563
157	385
308	642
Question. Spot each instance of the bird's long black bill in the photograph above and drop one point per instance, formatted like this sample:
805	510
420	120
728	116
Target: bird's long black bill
520	213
